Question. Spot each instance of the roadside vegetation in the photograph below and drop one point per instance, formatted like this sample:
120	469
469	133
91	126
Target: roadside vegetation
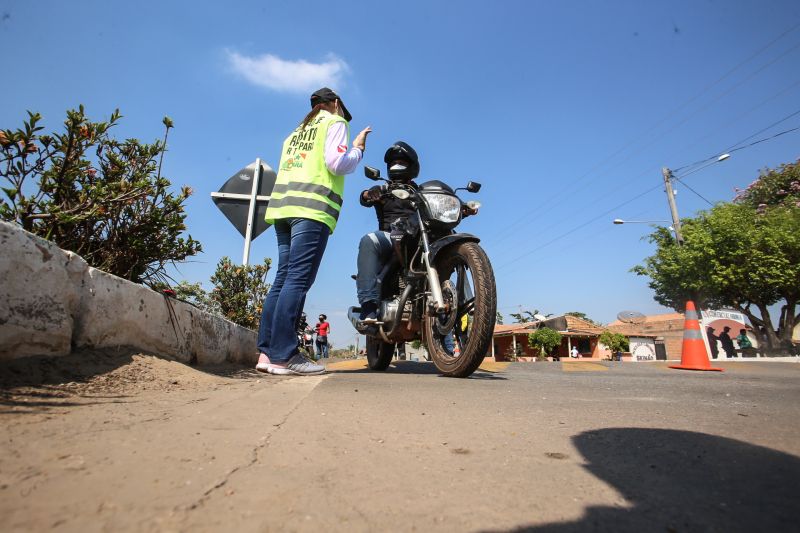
238	293
106	200
545	340
743	255
102	198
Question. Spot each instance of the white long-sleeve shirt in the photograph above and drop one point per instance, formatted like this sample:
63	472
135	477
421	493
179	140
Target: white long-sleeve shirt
338	158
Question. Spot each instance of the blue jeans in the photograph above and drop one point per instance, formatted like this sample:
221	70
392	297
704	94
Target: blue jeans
374	250
322	348
301	243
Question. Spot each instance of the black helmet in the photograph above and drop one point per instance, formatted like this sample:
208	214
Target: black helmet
401	151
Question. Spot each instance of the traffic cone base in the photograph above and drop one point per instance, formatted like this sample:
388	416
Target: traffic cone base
693	355
710	368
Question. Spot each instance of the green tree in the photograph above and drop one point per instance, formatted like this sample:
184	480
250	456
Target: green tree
499	319
99	197
526	316
616	342
545	340
733	256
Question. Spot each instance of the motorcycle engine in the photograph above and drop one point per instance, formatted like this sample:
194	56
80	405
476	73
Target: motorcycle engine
389	313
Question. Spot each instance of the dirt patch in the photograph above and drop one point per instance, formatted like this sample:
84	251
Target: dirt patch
58	381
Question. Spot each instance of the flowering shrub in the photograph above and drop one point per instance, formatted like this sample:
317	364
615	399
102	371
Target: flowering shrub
774	187
101	198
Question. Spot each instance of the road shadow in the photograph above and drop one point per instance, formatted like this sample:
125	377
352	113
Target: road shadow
685	481
412	368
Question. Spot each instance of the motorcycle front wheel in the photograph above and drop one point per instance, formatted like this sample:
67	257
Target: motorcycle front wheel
459	339
379	354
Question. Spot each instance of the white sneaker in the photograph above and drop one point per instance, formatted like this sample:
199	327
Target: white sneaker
297	366
263	363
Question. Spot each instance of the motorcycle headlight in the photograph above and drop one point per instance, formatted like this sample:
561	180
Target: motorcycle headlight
443	207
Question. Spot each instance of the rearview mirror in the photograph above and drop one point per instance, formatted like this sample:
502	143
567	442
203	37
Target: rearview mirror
372	173
473	186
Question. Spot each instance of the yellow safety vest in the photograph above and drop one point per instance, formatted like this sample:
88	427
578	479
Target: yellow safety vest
305	188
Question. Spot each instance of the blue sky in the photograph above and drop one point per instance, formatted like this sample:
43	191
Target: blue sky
564	111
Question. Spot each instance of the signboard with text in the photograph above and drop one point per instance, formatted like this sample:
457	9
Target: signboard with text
642	349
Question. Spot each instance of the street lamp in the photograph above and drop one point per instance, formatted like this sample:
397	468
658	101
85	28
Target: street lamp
620	221
668	177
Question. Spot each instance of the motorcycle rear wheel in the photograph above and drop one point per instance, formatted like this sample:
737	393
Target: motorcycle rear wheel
466	274
379	354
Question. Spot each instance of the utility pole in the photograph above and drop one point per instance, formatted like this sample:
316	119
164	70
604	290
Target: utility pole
676	222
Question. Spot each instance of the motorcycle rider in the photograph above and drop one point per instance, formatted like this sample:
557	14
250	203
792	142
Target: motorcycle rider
304	333
375	248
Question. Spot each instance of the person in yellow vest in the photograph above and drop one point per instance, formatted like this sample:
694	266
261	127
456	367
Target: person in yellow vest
303	208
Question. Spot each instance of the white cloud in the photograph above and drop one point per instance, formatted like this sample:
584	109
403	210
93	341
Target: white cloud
281	75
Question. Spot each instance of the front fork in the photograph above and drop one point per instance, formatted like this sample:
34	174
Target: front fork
433	275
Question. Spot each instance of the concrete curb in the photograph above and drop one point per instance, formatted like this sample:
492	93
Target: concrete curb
53	303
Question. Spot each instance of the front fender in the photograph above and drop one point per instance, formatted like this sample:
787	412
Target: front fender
444	242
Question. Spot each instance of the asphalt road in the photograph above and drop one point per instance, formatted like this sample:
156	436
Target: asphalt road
572	446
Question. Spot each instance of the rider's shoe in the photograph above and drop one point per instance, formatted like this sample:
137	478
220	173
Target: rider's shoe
369	313
263	363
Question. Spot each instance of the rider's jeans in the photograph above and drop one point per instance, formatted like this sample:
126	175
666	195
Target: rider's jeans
374	251
301	243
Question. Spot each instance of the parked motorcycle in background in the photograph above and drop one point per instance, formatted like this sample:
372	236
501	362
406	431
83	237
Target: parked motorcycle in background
305	339
439	286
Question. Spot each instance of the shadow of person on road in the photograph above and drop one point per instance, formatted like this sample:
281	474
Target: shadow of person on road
685	481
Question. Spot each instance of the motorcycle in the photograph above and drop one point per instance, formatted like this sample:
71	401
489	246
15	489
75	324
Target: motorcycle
439	285
305	340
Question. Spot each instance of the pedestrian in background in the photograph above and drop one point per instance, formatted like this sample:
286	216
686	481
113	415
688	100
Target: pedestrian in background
743	340
304	208
323	329
727	342
712	342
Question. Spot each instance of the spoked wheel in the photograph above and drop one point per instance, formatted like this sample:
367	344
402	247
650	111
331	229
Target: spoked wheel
379	353
459	338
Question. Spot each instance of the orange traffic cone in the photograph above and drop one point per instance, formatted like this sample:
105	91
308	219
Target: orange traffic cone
694	355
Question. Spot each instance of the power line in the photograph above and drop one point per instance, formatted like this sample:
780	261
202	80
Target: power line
694	191
552	200
509	232
575	183
765	129
765	139
650	190
733	121
731	148
573	230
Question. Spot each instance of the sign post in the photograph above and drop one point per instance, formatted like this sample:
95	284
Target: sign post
243	200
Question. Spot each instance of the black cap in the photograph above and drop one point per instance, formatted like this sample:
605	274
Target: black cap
327	95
